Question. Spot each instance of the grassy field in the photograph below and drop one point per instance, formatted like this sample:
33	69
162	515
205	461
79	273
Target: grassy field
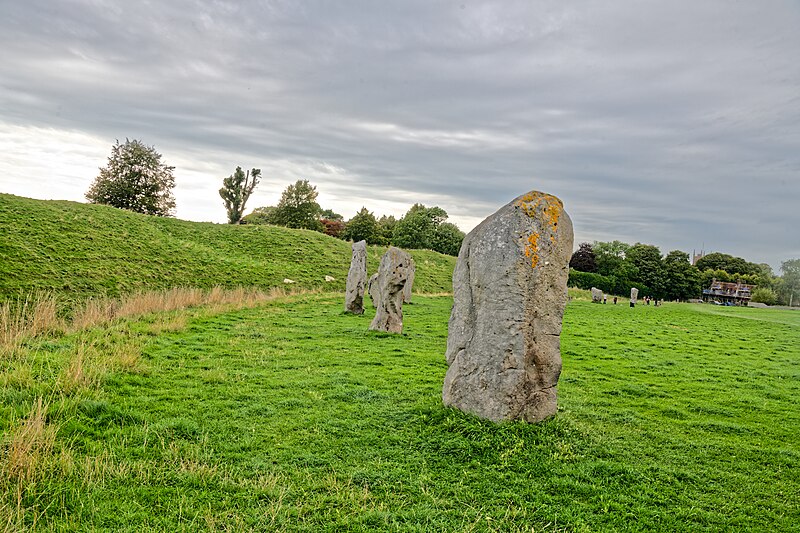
79	251
292	416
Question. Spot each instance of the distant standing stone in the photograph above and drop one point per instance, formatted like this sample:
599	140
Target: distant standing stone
509	295
372	289
634	295
597	295
392	278
356	279
412	271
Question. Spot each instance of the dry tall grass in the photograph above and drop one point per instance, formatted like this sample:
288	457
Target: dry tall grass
28	318
27	444
39	315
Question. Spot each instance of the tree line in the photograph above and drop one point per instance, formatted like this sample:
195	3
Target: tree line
136	179
615	267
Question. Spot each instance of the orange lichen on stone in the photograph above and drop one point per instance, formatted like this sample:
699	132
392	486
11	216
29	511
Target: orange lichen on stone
532	249
550	208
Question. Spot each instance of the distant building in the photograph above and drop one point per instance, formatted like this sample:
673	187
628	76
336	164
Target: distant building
696	257
722	292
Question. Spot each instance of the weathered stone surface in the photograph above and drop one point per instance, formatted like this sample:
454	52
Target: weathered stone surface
509	295
392	277
372	289
412	271
356	279
597	295
634	295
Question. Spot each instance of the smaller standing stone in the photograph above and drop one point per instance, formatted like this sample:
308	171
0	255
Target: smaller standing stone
597	295
372	289
356	279
412	270
392	277
634	295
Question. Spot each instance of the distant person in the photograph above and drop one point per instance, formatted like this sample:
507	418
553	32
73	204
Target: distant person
605	298
615	300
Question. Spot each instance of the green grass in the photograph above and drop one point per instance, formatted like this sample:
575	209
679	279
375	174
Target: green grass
77	251
294	417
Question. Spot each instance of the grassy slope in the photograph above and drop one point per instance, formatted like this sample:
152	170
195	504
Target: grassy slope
293	416
81	250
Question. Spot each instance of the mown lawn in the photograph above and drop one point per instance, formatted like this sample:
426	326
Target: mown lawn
294	417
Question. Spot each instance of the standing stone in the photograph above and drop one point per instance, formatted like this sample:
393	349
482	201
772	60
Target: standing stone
412	270
597	295
356	279
509	295
372	289
634	295
392	277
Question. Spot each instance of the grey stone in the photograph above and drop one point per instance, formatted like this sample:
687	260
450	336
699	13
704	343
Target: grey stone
412	271
509	295
356	279
372	289
597	295
392	277
634	295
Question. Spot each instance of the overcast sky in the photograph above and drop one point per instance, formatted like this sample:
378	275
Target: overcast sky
669	123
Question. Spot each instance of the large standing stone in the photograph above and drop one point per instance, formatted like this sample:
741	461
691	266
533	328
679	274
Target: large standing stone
509	295
372	289
356	279
392	277
412	271
597	295
634	295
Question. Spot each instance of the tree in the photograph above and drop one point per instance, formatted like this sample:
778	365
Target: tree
764	295
235	191
333	228
730	264
328	214
646	259
298	207
791	278
610	258
447	239
416	229
135	179
260	215
385	229
682	279
362	227
583	259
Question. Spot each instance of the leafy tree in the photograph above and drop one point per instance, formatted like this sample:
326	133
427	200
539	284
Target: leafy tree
260	215
385	229
646	259
683	280
135	179
328	214
236	190
298	207
334	228
362	227
610	258
791	278
447	239
764	295
416	229
583	259
730	264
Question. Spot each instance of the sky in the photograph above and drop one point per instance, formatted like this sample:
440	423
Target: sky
669	123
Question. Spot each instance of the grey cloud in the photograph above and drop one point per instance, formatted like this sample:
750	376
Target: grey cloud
670	123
